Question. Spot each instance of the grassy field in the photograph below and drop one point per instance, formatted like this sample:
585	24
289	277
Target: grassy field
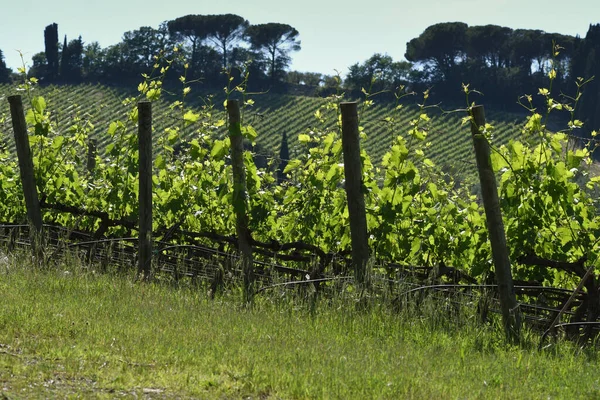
68	332
272	115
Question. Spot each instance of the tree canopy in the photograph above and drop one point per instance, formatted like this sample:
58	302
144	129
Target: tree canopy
4	71
225	31
442	44
72	60
275	41
496	60
379	72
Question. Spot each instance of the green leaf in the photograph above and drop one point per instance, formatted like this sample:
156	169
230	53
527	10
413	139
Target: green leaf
249	133
39	104
219	150
58	142
112	128
333	171
415	246
292	165
153	94
498	162
190	117
303	138
433	189
418	134
159	162
195	149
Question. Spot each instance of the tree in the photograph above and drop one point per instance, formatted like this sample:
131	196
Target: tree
378	73
93	61
304	78
225	31
40	66
64	57
275	41
442	44
115	67
143	44
72	60
332	82
312	78
526	47
51	46
489	45
131	57
4	71
585	65
193	30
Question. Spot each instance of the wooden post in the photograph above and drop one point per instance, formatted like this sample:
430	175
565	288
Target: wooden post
91	156
354	192
240	196
511	316
34	214
145	188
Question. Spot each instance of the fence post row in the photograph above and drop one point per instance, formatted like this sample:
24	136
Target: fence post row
145	188
354	192
34	213
240	196
511	317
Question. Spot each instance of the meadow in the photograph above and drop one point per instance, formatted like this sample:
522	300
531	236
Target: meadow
70	332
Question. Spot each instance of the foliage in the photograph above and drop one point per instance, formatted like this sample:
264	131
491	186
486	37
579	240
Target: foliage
492	58
69	331
276	41
379	73
443	44
585	64
71	60
417	213
4	71
225	31
304	78
222	30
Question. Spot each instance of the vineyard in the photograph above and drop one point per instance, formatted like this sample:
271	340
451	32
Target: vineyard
273	115
425	225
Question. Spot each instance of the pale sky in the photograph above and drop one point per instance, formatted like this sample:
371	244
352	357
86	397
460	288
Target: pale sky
334	34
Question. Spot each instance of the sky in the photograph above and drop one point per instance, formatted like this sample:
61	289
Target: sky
334	34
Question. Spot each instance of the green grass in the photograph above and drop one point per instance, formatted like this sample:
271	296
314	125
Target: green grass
274	114
71	332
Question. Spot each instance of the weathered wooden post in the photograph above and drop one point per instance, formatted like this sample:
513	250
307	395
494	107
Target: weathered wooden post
145	188
511	316
239	196
34	214
354	192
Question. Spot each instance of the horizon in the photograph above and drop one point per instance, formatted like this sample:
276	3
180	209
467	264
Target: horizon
349	38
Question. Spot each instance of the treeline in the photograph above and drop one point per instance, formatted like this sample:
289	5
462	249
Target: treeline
500	62
209	43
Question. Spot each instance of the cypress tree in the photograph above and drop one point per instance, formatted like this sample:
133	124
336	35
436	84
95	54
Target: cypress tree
51	43
64	60
4	71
